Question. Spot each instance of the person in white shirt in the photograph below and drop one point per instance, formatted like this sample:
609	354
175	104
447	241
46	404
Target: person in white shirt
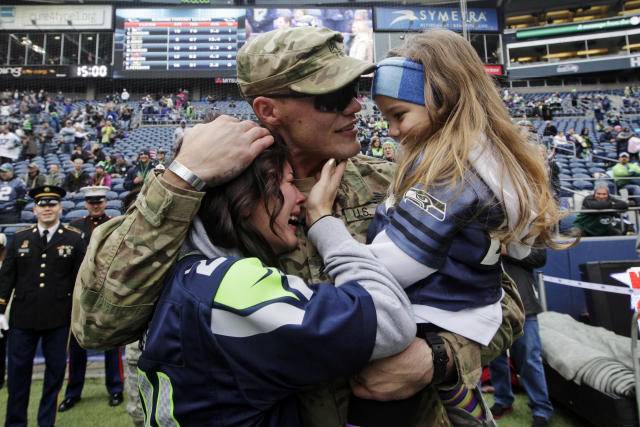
10	145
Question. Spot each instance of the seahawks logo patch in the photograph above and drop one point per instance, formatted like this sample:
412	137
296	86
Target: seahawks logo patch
427	203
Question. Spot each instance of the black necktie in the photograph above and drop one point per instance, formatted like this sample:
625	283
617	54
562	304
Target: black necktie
44	237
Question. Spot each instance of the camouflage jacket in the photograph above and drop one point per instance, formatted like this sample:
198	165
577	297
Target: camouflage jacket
120	280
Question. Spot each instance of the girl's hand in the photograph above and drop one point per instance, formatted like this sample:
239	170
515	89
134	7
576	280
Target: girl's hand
323	194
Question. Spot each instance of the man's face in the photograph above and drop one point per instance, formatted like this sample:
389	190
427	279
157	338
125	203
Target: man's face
47	215
6	175
4	129
601	194
33	171
624	160
77	163
161	156
144	158
53	169
317	136
95	208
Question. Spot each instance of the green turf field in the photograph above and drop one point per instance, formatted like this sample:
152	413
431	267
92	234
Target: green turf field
94	410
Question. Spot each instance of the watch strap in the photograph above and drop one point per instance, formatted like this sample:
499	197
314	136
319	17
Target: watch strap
440	356
189	177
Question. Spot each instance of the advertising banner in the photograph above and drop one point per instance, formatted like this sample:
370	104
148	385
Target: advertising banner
34	71
64	17
493	70
422	18
575	67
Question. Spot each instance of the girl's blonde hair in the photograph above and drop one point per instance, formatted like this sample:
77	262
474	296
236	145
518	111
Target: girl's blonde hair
462	105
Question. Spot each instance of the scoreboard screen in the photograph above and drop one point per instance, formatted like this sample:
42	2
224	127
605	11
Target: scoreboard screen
164	43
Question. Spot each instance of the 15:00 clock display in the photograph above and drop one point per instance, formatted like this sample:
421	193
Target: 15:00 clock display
90	71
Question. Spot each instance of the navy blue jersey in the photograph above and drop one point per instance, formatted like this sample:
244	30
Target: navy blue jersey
437	245
10	192
231	340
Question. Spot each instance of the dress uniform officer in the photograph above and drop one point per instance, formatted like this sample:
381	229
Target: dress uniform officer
40	268
95	199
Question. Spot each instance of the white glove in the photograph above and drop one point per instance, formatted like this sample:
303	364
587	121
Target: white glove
3	324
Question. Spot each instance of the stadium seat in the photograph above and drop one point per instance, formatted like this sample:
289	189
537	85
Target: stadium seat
76	214
67	205
114	204
583	185
113	212
582	175
27	216
11	229
575	171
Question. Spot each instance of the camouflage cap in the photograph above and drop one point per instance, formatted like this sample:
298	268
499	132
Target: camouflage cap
304	60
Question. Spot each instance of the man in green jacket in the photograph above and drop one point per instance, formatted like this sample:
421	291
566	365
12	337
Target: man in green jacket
600	224
631	174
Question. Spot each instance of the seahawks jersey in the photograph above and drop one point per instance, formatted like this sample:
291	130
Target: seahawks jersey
231	340
436	244
10	192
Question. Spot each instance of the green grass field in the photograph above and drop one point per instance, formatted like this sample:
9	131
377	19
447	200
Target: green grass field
94	410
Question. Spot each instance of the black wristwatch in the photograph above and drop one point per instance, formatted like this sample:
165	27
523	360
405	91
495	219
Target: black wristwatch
440	356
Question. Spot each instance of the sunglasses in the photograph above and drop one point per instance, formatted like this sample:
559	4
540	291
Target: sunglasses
47	202
332	102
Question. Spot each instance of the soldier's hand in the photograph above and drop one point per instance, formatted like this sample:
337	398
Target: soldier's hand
323	194
4	325
396	377
220	150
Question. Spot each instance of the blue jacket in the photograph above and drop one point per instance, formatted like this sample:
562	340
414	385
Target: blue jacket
231	340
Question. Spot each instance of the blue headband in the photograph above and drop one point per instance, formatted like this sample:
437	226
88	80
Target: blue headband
399	78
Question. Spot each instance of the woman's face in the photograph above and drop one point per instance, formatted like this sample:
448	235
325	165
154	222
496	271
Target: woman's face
285	225
376	143
401	115
389	152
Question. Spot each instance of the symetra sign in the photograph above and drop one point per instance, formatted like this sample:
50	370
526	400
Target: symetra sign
422	18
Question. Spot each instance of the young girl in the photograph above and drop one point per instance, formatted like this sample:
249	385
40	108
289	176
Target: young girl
466	182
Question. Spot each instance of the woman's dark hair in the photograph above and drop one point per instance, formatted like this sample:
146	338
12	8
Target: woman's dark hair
225	209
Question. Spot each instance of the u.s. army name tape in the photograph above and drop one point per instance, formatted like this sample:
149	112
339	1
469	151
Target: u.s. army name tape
588	285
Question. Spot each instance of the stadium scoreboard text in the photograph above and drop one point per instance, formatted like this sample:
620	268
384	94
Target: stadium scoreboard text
181	45
163	43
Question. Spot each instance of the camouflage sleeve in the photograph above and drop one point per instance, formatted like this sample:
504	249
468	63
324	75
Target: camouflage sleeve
121	275
470	356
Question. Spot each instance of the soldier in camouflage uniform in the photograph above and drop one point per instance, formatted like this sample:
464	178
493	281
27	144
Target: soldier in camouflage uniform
284	75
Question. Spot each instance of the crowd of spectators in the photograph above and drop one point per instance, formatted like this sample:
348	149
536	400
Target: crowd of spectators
606	142
35	124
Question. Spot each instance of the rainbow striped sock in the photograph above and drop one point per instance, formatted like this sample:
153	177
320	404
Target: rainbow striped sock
463	398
